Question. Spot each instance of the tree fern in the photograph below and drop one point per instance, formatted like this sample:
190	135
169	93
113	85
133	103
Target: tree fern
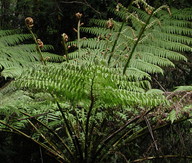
82	96
88	92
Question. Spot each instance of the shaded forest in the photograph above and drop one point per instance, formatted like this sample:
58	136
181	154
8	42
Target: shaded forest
89	81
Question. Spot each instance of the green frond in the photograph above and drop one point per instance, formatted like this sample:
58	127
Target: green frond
155	91
173	46
177	30
151	58
15	56
73	83
12	71
52	81
14	39
184	14
95	30
8	32
164	38
184	88
53	57
173	37
22	48
98	22
27	48
132	74
85	55
161	52
94	43
138	86
177	23
144	66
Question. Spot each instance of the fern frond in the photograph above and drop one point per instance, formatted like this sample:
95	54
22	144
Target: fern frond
161	52
159	45
184	14
173	46
144	66
184	88
12	71
173	38
8	32
14	56
27	48
53	57
94	43
96	30
14	39
177	30
98	22
177	23
151	58
72	83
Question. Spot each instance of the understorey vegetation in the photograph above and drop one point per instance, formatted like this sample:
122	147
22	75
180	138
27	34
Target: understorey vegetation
104	96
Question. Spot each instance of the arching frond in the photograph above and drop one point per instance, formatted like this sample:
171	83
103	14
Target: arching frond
164	39
73	83
15	56
14	39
